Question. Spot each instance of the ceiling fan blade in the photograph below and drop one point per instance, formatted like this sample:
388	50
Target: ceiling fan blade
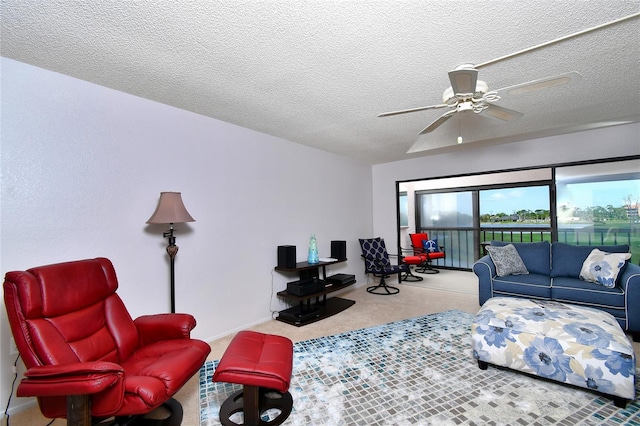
501	113
463	80
444	117
404	111
568	78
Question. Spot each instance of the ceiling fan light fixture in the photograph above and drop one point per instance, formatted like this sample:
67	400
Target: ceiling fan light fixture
463	80
448	97
481	87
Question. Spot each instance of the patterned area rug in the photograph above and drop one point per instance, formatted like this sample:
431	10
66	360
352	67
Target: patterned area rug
418	371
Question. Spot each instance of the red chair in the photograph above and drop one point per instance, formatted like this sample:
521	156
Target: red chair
428	250
85	356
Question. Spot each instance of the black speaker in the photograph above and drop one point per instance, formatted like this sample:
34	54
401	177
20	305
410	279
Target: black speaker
286	256
339	250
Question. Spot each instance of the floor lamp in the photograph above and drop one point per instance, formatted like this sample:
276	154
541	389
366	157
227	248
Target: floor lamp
171	210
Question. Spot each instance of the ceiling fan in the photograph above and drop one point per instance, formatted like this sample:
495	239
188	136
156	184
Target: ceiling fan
467	93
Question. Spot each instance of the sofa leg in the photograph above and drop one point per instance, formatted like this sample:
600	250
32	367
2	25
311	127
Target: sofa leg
635	335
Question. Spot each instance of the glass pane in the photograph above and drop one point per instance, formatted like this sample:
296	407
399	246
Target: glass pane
451	210
599	204
404	209
522	207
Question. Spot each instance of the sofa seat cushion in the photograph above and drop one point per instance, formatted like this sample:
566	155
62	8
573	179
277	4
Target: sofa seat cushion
567	259
585	292
534	285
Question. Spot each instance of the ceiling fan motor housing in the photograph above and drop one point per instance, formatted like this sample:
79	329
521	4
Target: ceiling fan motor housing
450	98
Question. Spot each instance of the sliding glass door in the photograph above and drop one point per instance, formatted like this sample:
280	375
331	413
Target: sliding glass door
594	203
464	221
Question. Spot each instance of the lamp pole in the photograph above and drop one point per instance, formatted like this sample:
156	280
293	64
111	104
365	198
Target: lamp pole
172	250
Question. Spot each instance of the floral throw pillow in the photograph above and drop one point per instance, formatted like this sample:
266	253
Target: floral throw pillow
603	268
431	246
507	260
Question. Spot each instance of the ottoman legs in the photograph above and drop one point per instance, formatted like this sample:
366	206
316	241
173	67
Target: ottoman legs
253	401
620	402
262	364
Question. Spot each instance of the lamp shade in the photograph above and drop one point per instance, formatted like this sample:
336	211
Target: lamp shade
170	209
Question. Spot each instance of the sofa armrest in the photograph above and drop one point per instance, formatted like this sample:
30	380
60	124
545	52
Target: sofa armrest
629	280
486	271
81	378
154	328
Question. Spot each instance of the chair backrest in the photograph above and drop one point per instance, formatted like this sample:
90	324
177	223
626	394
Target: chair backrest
416	242
69	312
374	253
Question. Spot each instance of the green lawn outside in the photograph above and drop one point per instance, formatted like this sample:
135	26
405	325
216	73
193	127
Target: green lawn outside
598	234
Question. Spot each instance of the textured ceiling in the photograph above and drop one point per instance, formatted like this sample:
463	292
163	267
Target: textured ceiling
318	72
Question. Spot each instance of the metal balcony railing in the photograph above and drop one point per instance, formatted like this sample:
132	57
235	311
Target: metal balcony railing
463	246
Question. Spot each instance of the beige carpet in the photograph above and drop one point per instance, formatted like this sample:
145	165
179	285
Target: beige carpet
445	283
412	301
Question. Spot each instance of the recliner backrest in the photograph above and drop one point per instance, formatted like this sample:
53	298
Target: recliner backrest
69	312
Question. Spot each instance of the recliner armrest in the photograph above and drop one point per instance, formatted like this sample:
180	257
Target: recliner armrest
154	328
80	378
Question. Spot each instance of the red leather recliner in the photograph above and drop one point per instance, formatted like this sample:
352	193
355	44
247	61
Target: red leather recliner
76	337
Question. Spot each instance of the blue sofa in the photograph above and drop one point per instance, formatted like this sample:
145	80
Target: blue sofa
554	270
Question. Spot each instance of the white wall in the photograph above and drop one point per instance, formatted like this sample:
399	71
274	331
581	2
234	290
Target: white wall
618	141
82	170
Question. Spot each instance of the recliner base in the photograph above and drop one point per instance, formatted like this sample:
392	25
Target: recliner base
173	419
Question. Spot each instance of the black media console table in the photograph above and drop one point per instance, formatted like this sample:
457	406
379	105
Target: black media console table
307	312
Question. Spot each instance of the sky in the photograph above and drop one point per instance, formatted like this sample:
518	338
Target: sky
580	195
511	200
599	193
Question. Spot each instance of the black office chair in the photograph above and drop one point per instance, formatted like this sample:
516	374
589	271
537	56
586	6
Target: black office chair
376	262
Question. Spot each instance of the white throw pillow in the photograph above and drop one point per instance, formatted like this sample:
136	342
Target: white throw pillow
507	260
603	268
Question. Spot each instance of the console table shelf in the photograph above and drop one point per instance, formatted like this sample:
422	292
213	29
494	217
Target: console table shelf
307	312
